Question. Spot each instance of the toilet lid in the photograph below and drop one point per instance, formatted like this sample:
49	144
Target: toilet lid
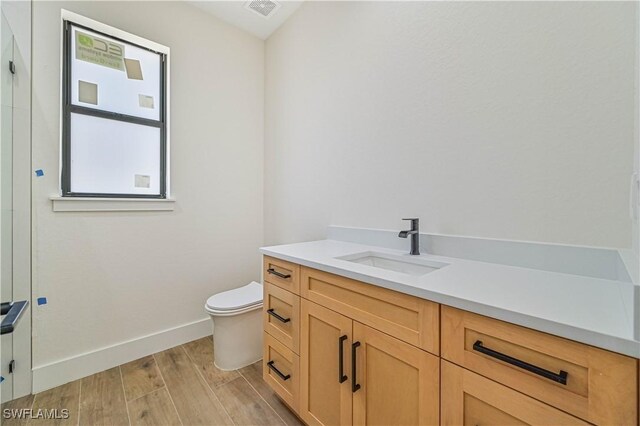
238	298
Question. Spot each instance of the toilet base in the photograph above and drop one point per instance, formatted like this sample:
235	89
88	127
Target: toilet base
237	368
237	339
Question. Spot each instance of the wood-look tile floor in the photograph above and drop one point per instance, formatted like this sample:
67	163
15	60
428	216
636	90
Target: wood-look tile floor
180	386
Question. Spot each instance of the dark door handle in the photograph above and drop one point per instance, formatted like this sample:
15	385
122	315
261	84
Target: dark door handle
278	372
341	376
278	274
354	376
278	317
13	312
556	377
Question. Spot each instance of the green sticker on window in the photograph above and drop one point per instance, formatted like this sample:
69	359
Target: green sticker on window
99	51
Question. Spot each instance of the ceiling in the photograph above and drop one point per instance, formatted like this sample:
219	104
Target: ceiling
235	13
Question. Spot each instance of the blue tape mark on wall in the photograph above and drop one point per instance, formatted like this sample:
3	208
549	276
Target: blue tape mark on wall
42	301
1	379
39	172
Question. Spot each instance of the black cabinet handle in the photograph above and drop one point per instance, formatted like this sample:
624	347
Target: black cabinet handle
556	377
354	376
341	376
278	372
13	312
278	274
4	307
278	317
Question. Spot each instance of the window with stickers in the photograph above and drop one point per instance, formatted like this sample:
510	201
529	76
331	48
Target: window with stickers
114	116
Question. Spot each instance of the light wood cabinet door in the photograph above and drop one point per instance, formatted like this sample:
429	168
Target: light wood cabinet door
325	344
398	383
469	399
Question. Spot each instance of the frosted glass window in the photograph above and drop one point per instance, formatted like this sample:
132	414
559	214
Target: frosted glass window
114	135
114	157
121	74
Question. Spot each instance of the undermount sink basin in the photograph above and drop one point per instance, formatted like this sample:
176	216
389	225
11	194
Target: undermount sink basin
390	262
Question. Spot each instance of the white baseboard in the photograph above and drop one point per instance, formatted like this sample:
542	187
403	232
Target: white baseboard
60	372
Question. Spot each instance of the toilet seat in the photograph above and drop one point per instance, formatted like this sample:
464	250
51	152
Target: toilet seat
236	301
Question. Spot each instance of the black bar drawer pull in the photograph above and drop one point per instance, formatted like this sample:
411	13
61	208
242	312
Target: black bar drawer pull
341	376
278	372
13	312
278	317
354	386
556	377
278	274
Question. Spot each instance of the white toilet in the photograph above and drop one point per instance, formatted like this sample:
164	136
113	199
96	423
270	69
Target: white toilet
237	326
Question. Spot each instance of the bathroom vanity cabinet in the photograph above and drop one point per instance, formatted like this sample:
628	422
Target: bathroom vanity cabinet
351	372
339	351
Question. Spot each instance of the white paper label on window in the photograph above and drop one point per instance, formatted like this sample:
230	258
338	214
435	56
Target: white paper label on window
134	69
87	92
143	181
99	51
145	101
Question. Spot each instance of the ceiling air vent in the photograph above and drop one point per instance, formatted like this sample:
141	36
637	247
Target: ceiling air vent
264	8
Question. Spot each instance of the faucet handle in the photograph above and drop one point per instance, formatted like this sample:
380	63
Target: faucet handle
412	218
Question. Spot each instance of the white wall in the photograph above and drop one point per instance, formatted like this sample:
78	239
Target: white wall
111	277
509	120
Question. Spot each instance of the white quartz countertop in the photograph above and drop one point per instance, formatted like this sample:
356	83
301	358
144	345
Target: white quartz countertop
594	311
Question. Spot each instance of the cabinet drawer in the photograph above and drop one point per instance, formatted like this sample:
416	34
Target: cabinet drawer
408	318
282	273
282	315
590	383
281	370
470	399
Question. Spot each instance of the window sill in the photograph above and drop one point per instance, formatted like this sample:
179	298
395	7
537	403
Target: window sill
88	204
